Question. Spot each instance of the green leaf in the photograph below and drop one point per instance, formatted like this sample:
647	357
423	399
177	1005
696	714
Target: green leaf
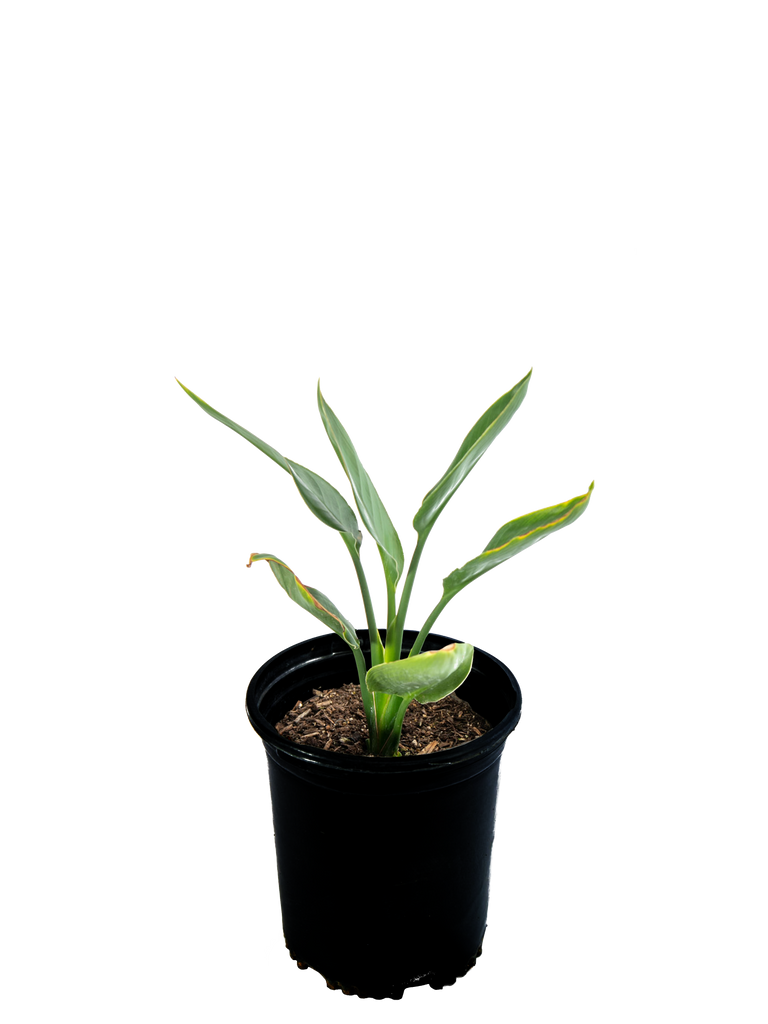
321	497
368	502
487	428
513	538
426	677
311	600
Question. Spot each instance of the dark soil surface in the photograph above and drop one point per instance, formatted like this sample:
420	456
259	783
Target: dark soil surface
335	720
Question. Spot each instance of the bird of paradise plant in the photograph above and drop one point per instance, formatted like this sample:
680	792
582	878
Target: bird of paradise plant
388	686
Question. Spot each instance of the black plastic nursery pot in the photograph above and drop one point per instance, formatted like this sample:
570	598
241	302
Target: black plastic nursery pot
383	863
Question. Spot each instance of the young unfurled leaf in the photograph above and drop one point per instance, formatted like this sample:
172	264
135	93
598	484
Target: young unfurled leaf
321	497
311	600
426	677
487	428
368	502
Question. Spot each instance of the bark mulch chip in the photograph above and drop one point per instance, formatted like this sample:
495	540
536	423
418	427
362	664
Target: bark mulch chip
335	720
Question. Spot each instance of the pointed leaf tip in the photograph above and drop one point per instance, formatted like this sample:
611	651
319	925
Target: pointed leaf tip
312	600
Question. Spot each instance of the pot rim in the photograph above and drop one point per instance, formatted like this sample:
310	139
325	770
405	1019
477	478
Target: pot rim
470	750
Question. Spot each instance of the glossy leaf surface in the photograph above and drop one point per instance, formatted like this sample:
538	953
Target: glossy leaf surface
311	600
426	677
368	502
322	498
474	445
514	537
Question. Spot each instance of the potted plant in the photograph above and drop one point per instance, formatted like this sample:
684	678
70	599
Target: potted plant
373	923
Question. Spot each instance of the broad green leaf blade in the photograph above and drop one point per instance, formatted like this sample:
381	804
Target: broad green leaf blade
514	537
426	677
321	497
311	600
368	502
487	428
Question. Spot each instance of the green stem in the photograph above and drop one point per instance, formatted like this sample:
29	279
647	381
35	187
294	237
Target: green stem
391	727
428	625
368	701
373	706
377	650
395	636
387	737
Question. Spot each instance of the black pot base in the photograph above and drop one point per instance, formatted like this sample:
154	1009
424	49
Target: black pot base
353	992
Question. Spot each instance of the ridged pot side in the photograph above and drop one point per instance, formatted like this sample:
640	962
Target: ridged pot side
383	863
